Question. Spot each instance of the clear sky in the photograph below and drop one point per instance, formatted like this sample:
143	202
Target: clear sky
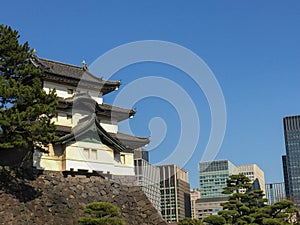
251	46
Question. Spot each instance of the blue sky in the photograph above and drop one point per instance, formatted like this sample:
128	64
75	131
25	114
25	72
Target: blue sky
251	46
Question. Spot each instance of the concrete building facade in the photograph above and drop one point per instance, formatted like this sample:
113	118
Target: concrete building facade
208	206
255	174
195	195
148	177
175	193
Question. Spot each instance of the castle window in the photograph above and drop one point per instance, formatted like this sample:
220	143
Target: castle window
70	91
86	153
122	158
90	154
69	118
93	154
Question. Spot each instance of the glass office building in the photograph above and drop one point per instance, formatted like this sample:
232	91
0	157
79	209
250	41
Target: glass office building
275	192
291	161
213	176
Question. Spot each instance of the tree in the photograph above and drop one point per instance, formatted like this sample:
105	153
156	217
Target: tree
247	206
101	213
189	221
214	220
25	108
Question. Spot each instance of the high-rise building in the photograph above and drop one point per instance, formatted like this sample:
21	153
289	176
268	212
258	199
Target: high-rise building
195	195
213	176
255	174
275	192
175	193
147	177
285	175
291	162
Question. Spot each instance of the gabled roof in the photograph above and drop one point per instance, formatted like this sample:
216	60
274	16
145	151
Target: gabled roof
73	75
91	124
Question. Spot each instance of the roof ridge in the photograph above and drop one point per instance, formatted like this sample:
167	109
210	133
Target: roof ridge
62	63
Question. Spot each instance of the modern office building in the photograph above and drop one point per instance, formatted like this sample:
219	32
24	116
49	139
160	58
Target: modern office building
195	195
213	176
255	174
291	162
147	177
285	175
175	193
208	206
275	192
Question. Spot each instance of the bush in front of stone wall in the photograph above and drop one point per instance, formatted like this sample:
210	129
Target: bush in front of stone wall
101	213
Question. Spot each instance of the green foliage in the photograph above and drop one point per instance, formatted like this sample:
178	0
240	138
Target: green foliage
101	213
25	108
247	206
214	220
189	221
100	221
101	209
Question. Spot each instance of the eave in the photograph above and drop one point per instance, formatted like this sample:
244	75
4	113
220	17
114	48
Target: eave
84	102
72	75
92	125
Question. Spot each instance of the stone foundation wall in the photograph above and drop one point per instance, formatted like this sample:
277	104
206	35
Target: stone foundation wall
43	197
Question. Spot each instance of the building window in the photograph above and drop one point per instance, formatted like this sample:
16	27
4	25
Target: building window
93	154
90	154
69	118
122	156
70	91
86	153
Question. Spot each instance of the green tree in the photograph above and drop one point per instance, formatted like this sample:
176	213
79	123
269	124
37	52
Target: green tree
189	221
247	206
214	220
101	213
25	108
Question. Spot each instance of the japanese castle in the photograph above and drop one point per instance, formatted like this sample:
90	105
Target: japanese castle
89	139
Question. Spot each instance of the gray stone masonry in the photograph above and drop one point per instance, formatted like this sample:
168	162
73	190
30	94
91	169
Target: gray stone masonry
44	197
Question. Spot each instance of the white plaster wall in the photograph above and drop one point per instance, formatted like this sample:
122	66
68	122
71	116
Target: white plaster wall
129	159
44	161
112	128
62	91
76	159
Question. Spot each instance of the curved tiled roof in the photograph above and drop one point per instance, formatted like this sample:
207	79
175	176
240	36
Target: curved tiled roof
73	75
132	142
83	101
119	142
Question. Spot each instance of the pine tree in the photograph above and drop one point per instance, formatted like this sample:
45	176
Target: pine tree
101	213
247	206
189	221
25	108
